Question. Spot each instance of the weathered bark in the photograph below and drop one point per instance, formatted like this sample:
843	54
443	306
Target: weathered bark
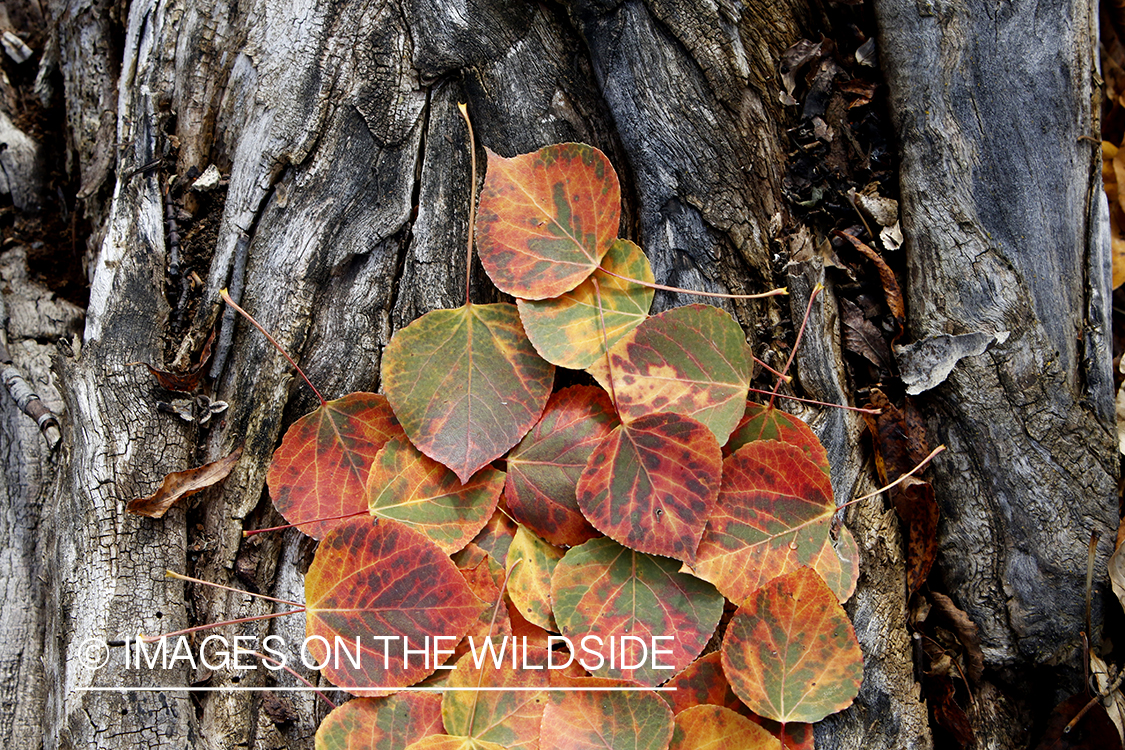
345	218
1006	230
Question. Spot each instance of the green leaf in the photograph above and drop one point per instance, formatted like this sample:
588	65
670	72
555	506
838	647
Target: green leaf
791	653
320	469
374	578
529	583
547	218
691	360
774	514
567	330
409	486
606	721
607	591
544	468
508	718
769	423
652	483
466	384
390	723
719	728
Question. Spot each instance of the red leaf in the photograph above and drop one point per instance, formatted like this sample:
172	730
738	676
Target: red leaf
466	384
544	468
374	578
547	218
320	469
769	423
774	514
702	683
791	653
652	484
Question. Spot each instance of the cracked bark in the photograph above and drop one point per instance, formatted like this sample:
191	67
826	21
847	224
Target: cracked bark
349	177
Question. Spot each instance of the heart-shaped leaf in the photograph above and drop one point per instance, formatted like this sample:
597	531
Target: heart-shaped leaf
529	581
651	484
547	218
390	723
606	721
466	384
791	653
376	579
510	718
544	468
409	486
774	514
568	331
320	469
610	592
719	728
769	423
691	360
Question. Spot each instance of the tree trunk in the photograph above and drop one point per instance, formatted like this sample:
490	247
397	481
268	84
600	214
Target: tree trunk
345	218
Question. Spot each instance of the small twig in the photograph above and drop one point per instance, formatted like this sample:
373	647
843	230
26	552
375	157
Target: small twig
1099	697
463	108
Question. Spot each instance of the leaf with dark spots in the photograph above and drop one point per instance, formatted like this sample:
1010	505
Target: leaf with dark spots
466	384
568	330
409	486
547	218
320	469
702	683
762	422
899	435
391	723
375	578
652	484
774	514
691	360
791	653
608	591
496	536
918	511
510	718
181	484
544	468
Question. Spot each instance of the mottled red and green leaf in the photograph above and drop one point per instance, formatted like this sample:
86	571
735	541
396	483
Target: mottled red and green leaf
718	728
770	423
606	721
466	384
547	218
391	723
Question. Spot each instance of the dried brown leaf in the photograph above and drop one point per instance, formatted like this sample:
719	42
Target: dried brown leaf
967	632
886	276
181	484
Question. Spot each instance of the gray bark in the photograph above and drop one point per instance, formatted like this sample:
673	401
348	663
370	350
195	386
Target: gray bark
345	218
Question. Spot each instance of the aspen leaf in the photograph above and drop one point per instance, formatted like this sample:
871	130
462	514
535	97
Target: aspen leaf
466	384
390	723
529	582
547	218
719	728
374	578
606	721
320	469
790	651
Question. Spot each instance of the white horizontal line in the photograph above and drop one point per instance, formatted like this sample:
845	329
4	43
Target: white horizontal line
234	689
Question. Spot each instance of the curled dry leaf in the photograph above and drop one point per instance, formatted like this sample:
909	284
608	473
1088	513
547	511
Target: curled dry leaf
886	276
181	484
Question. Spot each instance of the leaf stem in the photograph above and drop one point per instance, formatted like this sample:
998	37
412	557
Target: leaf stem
463	108
921	465
817	403
252	532
800	333
661	287
226	298
767	368
181	577
293	672
212	625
